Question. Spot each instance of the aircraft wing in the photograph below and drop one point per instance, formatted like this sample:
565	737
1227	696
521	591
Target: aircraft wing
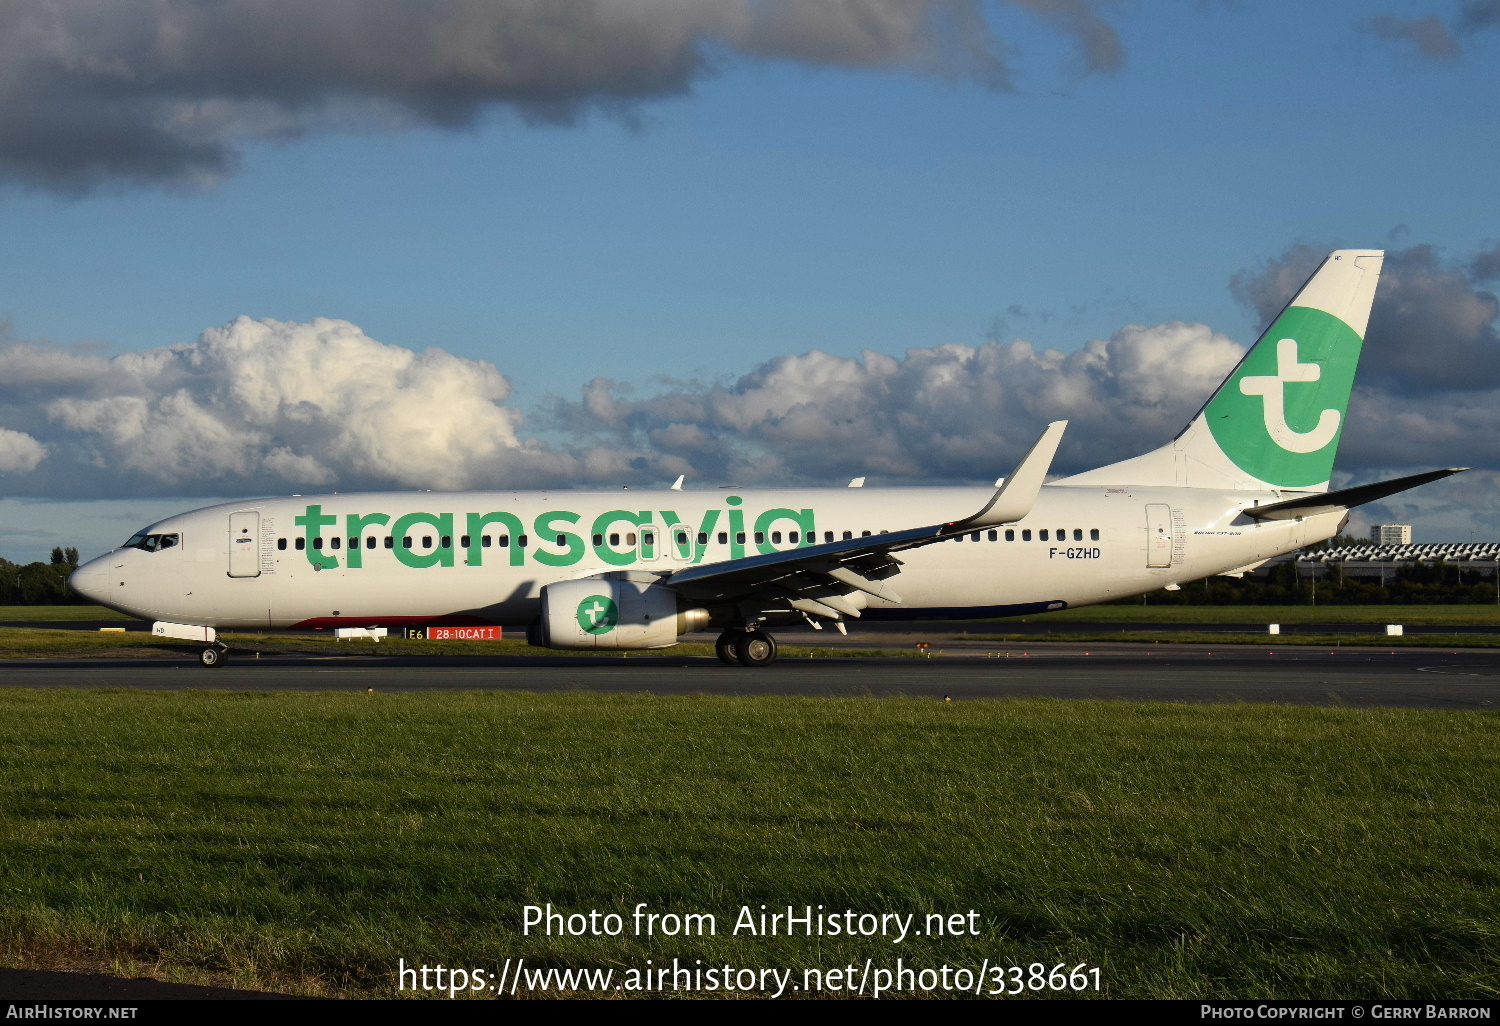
834	580
1345	498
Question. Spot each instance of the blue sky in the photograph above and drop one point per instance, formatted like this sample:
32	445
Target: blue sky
784	205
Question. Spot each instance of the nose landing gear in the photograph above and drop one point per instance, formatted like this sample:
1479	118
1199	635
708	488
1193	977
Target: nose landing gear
746	647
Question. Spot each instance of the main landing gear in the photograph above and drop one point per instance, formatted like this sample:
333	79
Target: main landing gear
746	648
213	655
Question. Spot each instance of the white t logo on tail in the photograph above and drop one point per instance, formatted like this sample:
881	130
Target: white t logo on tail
1272	391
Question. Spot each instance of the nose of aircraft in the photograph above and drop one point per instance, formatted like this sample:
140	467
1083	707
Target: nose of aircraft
88	580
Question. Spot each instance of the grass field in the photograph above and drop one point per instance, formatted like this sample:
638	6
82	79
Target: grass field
62	613
1258	639
42	642
308	841
1483	614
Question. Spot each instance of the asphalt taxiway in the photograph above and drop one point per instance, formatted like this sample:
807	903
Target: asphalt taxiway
1349	676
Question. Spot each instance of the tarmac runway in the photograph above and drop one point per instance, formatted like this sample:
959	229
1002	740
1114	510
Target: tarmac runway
874	630
1412	678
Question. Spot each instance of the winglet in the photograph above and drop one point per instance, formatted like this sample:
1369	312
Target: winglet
677	485
1014	499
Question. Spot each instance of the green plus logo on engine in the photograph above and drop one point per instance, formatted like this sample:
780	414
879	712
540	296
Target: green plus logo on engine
1280	416
598	614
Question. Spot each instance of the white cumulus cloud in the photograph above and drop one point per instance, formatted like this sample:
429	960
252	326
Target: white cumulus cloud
19	452
949	412
271	405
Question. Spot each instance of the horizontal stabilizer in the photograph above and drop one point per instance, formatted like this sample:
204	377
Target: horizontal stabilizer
1014	499
1346	498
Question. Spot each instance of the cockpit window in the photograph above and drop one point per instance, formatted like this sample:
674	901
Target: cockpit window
151	542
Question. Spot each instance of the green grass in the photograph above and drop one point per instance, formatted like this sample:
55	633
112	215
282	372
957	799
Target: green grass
61	613
43	642
1482	614
1259	640
309	841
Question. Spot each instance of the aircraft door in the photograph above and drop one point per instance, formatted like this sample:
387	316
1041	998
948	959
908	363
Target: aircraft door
680	543
1158	534
244	544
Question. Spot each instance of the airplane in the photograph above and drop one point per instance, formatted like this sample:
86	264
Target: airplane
1247	479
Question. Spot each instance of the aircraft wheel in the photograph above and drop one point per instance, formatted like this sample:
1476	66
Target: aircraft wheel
756	648
213	656
726	648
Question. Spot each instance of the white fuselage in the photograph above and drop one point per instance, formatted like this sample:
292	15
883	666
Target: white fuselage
239	565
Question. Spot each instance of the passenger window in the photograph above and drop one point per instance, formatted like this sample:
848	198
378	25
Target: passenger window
335	541
1026	534
702	537
1093	534
827	537
503	541
974	536
630	538
864	534
370	542
1010	535
406	542
792	537
354	542
739	537
614	539
521	541
1078	534
598	540
301	544
426	541
724	538
562	541
994	536
760	537
390	541
1062	534
281	544
1042	534
318	543
775	537
848	535
484	541
447	541
463	542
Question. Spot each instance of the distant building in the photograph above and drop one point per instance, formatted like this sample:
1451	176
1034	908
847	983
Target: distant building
1371	559
1391	534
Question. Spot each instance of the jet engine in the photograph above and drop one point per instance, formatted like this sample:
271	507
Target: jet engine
613	613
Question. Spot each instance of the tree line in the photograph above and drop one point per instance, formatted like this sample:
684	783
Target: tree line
39	584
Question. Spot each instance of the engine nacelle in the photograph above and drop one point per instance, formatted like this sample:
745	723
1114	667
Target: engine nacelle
613	613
